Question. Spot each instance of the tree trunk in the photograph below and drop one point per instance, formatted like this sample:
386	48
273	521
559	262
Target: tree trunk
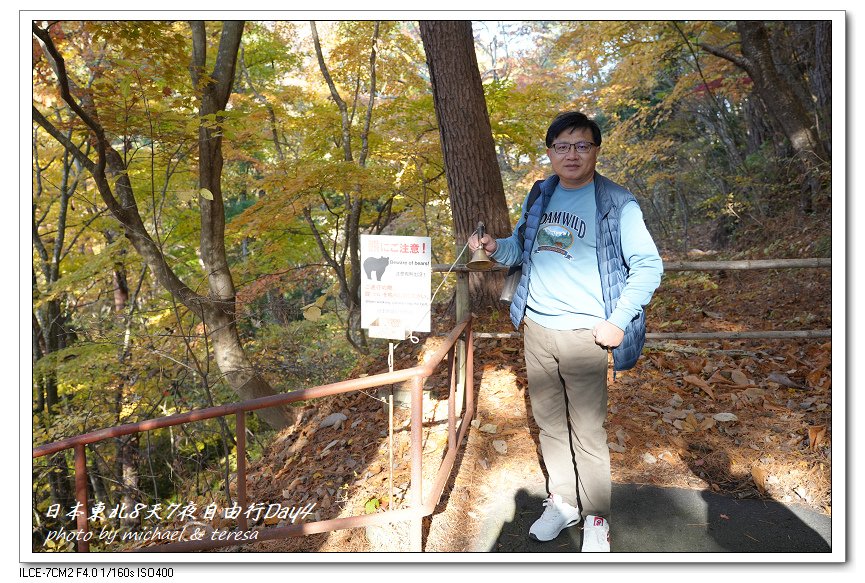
346	263
97	481
59	480
118	278
356	334
791	113
128	459
60	484
128	453
811	45
472	171
759	127
121	288
821	79
220	317
220	303
238	370
38	385
783	103
49	331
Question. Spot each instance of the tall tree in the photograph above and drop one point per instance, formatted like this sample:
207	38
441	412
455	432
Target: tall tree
217	308
773	84
353	149
472	171
348	272
50	333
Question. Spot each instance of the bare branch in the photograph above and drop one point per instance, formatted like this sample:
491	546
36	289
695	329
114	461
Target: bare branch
64	141
80	232
126	211
343	109
737	60
271	114
320	242
59	66
367	122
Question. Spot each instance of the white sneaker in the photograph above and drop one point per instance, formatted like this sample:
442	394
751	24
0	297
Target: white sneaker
557	516
596	535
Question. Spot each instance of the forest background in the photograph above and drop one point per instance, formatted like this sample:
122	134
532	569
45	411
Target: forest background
212	254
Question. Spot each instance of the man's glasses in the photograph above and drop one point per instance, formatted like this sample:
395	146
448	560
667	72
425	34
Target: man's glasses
563	148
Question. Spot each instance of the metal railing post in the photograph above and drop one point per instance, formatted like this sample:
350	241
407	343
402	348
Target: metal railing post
416	493
81	496
452	415
470	369
420	504
240	428
463	301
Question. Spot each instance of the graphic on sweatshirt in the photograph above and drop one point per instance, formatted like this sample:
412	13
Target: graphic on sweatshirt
556	235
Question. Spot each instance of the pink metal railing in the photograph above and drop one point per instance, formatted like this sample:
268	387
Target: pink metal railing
418	507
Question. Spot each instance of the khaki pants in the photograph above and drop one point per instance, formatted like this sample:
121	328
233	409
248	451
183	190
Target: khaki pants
567	375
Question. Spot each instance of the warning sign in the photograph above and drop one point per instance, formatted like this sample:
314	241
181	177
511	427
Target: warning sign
395	285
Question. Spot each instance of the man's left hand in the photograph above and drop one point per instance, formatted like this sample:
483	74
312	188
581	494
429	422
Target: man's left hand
607	335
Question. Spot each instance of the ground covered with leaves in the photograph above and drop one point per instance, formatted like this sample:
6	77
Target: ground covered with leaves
744	418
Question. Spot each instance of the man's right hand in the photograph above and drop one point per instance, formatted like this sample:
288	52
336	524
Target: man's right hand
488	242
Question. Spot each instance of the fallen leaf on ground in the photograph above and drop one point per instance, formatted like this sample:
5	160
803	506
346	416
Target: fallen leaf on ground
754	393
724	417
718	379
707	424
698	382
690	423
816	377
783	380
738	377
660	361
695	365
816	435
760	476
616	447
768	405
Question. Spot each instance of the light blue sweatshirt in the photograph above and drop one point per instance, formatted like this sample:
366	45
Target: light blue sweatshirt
565	286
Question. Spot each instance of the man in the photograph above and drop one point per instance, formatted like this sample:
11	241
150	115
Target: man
589	266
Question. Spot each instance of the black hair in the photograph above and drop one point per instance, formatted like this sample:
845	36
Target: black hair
571	120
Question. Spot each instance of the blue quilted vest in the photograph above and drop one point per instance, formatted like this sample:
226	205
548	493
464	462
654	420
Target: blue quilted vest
610	198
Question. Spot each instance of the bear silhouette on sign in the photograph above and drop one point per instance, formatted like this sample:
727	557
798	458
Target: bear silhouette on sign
377	264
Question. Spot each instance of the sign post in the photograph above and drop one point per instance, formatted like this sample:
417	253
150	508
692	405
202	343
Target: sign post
395	297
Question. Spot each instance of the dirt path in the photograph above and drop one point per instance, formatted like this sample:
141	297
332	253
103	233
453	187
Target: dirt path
744	418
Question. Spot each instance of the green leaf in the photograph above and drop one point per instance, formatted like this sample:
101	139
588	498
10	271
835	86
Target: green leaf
206	194
372	505
125	86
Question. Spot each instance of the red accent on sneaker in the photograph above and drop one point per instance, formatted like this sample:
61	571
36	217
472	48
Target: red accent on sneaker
599	521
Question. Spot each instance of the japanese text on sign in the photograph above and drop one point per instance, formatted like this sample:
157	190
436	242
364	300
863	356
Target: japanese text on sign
395	285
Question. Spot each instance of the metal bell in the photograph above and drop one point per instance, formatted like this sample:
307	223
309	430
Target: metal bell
479	261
